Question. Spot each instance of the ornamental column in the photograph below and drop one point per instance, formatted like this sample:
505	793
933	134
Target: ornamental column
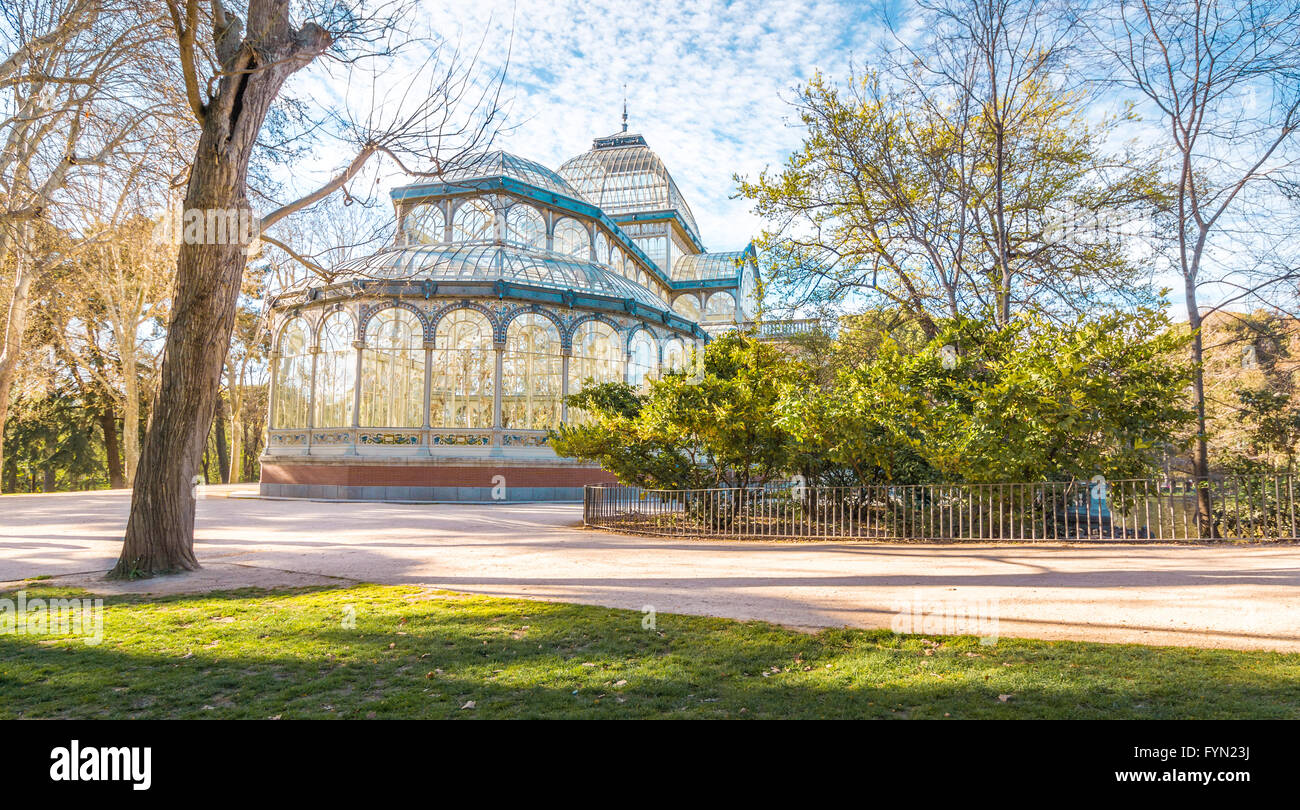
271	388
428	396
360	346
565	354
499	350
314	351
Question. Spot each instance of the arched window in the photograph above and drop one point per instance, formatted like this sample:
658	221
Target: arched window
530	377
644	361
721	307
336	370
292	376
474	221
571	239
597	353
425	224
602	245
748	293
675	354
688	307
463	370
392	371
597	358
525	226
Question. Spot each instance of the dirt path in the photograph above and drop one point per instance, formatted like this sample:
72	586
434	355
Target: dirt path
1207	596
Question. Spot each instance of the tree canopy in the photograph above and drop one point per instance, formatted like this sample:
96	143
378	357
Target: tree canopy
1030	401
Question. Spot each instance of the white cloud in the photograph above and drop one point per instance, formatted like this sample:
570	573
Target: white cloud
708	83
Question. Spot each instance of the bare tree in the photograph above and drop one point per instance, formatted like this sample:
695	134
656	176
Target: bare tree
936	180
79	83
233	73
1224	80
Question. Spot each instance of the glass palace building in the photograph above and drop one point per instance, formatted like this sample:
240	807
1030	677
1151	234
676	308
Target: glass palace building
433	369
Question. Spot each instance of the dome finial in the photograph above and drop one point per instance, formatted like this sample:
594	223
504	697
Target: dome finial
625	108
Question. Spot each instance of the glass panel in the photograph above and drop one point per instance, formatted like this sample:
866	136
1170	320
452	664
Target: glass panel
655	248
498	163
697	266
688	307
721	306
464	366
336	367
425	225
474	221
531	374
644	362
392	371
292	376
525	226
627	179
675	355
483	261
748	294
571	239
597	357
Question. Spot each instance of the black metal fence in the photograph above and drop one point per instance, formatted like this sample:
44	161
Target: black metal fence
1254	508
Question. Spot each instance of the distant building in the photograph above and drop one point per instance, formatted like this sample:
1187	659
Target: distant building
433	369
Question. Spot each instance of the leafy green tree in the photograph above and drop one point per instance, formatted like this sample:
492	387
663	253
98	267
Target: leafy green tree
1031	401
1275	417
719	429
934	194
1027	402
50	445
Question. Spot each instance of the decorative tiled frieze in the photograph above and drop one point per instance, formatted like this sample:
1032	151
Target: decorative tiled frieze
460	439
524	439
332	437
389	438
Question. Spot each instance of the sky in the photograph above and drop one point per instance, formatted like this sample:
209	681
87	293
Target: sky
707	83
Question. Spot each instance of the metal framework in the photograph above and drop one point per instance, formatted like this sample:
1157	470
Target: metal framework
506	289
462	262
627	179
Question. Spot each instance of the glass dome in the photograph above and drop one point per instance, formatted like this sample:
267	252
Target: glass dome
479	262
622	175
499	163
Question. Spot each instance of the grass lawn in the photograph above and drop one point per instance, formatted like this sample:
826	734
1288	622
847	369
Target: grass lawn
422	654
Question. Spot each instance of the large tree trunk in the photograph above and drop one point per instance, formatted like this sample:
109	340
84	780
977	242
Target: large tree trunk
160	530
108	424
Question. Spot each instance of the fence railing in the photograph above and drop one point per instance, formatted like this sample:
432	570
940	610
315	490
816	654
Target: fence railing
1254	508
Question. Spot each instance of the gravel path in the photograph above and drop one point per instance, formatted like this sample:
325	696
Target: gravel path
1205	596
